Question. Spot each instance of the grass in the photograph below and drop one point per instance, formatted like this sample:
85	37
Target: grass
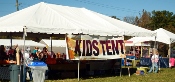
164	75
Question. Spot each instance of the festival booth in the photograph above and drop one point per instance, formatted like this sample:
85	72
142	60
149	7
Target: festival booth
69	22
163	36
136	47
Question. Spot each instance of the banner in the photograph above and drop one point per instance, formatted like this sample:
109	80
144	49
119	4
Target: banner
85	47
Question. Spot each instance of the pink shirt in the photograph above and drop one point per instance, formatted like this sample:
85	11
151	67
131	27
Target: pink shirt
155	58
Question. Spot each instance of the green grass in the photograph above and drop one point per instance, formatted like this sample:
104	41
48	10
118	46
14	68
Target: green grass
165	75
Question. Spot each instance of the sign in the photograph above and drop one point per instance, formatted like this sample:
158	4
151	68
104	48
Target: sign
94	48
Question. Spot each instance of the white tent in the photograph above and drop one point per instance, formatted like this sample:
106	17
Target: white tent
50	18
131	43
57	19
139	40
165	36
6	42
57	45
127	29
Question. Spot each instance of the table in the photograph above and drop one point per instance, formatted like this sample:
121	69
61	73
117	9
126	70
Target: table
163	62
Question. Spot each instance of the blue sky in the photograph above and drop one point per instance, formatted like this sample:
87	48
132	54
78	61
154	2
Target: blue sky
119	8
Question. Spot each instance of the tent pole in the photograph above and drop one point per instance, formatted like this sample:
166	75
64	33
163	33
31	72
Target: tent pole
169	53
154	51
141	50
121	67
23	60
51	44
11	39
78	70
134	54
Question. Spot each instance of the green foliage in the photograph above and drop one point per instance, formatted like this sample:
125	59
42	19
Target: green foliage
162	19
115	17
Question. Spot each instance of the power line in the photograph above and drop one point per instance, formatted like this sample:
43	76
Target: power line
107	6
6	3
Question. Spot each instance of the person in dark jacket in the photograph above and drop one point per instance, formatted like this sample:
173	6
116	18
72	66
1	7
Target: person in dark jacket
3	55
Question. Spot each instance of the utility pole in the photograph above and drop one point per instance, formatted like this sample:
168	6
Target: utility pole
17	5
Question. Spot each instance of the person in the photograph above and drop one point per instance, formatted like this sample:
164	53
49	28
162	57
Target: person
154	59
11	54
2	53
35	50
172	56
34	53
44	54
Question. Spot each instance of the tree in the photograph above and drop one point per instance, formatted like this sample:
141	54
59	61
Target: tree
145	19
142	21
129	19
162	19
115	17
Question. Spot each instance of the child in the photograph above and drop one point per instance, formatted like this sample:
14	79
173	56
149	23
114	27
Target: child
154	59
172	62
172	56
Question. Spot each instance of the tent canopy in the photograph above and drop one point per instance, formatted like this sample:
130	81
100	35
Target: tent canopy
136	40
58	46
55	43
6	42
132	43
163	36
58	19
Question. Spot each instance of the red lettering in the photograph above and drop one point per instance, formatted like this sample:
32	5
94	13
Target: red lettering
116	47
108	47
121	44
89	48
77	47
84	45
102	43
94	45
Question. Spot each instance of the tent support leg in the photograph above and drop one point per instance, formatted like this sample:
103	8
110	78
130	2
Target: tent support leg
169	53
78	70
51	43
11	39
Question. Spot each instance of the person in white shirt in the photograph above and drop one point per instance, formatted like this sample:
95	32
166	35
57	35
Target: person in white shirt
154	59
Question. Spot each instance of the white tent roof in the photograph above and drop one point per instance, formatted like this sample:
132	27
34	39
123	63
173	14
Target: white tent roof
128	29
132	43
136	40
6	42
55	43
165	36
50	18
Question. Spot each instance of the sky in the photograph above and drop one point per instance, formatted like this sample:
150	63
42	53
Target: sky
118	8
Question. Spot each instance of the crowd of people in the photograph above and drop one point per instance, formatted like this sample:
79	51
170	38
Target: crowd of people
9	54
36	54
46	56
